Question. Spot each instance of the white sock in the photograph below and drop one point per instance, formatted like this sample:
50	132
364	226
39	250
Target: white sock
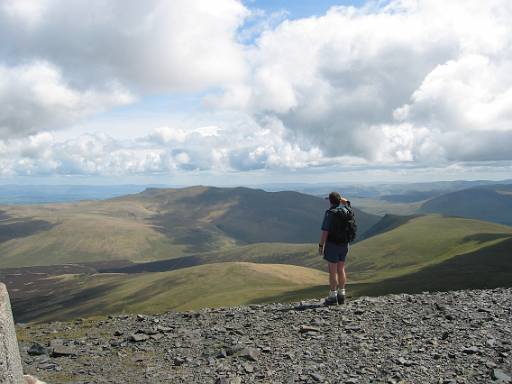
332	293
341	291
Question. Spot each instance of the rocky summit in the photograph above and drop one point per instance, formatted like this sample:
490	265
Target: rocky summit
449	337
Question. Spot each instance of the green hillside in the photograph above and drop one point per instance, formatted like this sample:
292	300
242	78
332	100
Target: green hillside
159	224
487	267
428	253
489	203
221	284
305	255
387	223
421	242
400	245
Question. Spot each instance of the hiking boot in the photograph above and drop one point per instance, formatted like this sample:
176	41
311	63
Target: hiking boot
341	298
331	300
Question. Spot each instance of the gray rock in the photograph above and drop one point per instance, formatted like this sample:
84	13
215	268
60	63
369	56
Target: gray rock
317	377
137	337
471	350
179	361
308	328
229	380
62	351
37	349
249	354
403	361
161	328
500	376
148	331
389	339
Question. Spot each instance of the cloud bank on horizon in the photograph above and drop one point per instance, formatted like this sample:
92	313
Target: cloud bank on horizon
399	84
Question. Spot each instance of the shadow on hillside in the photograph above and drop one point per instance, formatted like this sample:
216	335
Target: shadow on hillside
301	259
183	230
156	266
13	228
481	238
386	224
39	306
490	267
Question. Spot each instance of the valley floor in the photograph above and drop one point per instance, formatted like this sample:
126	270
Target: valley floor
452	337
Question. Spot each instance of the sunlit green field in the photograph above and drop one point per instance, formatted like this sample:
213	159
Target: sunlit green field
422	242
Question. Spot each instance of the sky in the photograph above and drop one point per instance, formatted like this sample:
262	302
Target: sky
229	92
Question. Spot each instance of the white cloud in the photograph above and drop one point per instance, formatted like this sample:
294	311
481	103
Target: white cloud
241	145
404	82
35	97
412	83
167	135
62	61
154	44
473	93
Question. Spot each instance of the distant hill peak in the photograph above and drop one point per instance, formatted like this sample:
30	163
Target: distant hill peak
489	203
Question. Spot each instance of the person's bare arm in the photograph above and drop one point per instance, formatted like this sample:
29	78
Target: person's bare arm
321	244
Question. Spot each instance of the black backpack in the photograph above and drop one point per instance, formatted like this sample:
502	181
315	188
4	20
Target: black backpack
343	227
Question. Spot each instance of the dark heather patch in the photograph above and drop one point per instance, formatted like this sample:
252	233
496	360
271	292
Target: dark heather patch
16	228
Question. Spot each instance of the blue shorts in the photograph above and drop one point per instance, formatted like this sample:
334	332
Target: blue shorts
334	253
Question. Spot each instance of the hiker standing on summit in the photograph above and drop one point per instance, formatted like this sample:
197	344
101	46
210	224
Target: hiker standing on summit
338	230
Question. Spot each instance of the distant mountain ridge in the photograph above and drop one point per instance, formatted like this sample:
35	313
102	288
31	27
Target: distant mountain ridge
160	224
490	203
245	214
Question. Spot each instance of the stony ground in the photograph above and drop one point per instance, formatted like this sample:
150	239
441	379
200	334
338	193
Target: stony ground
456	337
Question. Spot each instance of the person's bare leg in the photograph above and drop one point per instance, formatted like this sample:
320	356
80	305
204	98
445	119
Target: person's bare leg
342	277
333	282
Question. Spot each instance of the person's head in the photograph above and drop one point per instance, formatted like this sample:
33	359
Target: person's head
335	199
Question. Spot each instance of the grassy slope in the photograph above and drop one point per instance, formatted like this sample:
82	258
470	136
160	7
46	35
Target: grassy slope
423	241
468	254
426	253
221	284
87	231
158	224
304	255
487	267
405	245
387	223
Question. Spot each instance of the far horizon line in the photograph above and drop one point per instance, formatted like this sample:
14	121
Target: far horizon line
294	183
